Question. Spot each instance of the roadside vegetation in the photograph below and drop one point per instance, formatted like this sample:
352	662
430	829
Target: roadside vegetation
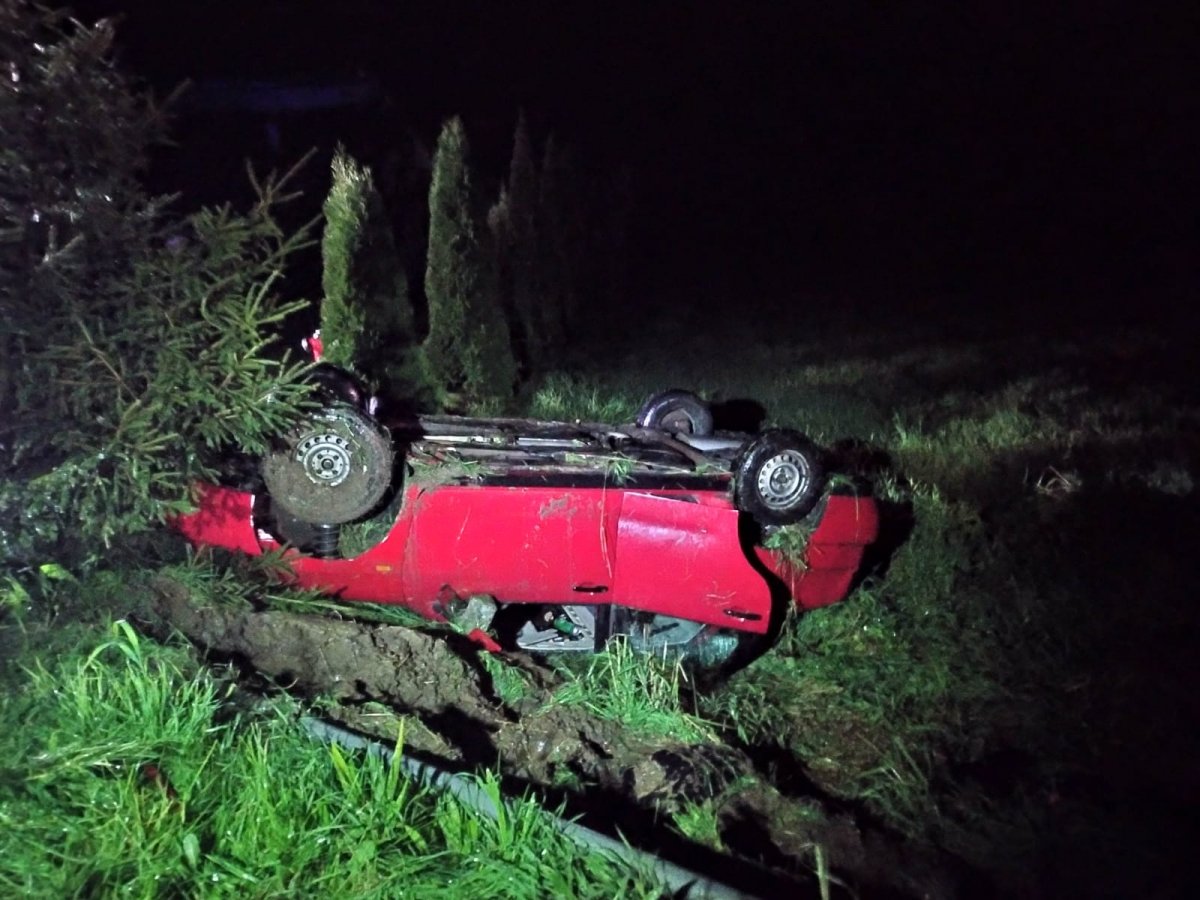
1025	625
139	346
130	769
367	316
1006	683
502	289
137	343
642	692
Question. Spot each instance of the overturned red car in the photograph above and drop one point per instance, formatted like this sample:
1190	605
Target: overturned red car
553	536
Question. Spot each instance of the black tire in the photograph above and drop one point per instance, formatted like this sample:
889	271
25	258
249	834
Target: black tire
676	412
778	478
334	467
336	385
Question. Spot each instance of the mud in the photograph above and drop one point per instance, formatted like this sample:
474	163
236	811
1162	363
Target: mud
370	676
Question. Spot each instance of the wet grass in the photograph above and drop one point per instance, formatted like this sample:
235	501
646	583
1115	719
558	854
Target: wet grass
984	689
1010	682
122	776
510	684
699	822
642	693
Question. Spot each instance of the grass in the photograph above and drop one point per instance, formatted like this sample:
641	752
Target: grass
1007	684
1037	489
509	682
791	541
698	822
563	398
642	693
118	780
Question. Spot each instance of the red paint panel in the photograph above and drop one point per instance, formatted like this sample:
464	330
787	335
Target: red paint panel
834	553
376	576
685	560
675	553
848	520
519	544
224	518
823	587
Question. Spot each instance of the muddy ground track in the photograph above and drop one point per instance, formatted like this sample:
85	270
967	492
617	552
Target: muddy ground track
374	673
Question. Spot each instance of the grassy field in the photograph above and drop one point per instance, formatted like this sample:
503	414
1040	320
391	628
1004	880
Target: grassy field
128	773
1008	682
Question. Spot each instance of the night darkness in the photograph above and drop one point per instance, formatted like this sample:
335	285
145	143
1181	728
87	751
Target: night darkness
933	261
910	152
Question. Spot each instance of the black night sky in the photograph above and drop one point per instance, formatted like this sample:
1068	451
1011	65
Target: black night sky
980	150
955	242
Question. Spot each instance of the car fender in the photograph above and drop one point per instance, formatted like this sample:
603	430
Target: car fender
685	559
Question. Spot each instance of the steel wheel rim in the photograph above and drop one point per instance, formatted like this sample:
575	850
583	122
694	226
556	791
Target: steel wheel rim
326	458
783	479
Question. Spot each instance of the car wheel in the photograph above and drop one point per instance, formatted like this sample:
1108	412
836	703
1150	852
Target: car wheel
676	412
336	385
334	467
778	477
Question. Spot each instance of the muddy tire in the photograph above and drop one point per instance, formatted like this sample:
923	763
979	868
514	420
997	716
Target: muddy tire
334	385
676	412
334	467
778	478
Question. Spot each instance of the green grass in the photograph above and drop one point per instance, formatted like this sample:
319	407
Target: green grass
698	822
562	397
509	682
791	541
1008	688
247	808
642	693
1040	487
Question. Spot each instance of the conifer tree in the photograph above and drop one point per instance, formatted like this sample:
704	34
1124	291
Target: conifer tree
521	252
366	314
560	226
133	342
614	247
467	353
70	202
499	225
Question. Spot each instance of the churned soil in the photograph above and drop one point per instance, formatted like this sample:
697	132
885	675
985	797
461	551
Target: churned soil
371	677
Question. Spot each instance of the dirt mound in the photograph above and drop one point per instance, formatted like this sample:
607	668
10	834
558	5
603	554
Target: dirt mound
373	674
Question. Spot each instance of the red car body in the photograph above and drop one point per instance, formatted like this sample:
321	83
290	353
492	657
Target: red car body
675	547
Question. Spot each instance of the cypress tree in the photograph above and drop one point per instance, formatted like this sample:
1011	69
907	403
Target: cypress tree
562	239
615	250
467	353
499	225
366	314
522	247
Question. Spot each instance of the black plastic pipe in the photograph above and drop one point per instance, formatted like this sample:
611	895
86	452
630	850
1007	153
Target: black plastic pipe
681	882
